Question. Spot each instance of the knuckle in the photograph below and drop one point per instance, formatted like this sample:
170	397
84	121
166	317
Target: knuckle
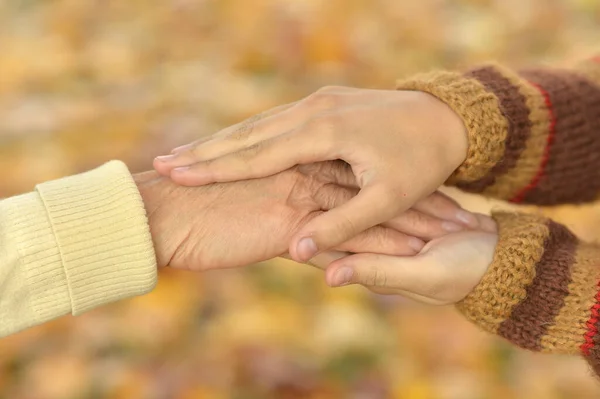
421	224
379	236
376	278
325	126
338	196
414	219
243	131
322	100
346	225
329	89
209	164
250	151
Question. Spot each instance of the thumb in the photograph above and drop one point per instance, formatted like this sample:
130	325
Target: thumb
371	206
409	273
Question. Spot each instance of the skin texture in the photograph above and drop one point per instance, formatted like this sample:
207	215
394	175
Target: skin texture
239	223
400	147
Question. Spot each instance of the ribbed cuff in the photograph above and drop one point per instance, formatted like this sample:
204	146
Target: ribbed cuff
480	112
37	284
102	237
541	290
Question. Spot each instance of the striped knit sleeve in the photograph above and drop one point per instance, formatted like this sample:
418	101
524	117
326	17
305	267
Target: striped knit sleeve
534	135
541	291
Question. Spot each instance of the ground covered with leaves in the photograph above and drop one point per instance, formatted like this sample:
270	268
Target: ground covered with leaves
82	82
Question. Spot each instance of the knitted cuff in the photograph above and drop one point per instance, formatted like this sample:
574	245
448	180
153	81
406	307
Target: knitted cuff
541	291
532	133
480	112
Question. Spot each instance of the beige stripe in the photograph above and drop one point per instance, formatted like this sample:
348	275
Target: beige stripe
479	110
509	184
567	332
504	286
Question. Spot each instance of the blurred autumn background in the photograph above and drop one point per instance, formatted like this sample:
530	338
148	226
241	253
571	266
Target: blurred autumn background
83	81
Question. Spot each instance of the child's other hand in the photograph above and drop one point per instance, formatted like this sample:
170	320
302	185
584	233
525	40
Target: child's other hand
444	272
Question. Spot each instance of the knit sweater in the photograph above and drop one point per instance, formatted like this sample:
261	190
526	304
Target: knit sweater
71	245
534	137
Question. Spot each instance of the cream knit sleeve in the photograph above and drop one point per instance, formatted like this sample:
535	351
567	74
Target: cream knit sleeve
71	245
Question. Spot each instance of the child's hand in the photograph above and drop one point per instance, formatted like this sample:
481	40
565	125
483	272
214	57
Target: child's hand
444	272
401	146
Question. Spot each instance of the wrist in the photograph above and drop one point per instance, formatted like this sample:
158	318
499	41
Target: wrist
453	133
479	110
153	192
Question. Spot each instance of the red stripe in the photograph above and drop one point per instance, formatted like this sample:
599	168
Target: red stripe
546	155
592	325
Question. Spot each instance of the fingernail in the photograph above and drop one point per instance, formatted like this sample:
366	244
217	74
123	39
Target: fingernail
306	248
181	169
416	244
451	227
181	148
342	277
467	218
165	158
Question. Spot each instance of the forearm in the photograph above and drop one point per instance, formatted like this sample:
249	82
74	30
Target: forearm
541	291
532	133
71	245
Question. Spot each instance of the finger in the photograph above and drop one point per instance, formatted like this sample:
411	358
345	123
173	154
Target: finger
407	294
422	225
243	128
331	195
162	163
372	206
383	240
322	260
486	223
257	128
411	222
336	172
260	160
378	239
412	274
229	139
444	207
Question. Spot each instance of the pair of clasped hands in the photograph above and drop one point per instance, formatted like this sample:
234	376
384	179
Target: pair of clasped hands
346	180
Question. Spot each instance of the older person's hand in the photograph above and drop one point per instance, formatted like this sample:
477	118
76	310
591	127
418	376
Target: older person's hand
235	224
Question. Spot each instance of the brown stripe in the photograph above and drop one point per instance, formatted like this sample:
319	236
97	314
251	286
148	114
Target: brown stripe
507	186
567	334
594	360
572	174
520	248
530	319
514	108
